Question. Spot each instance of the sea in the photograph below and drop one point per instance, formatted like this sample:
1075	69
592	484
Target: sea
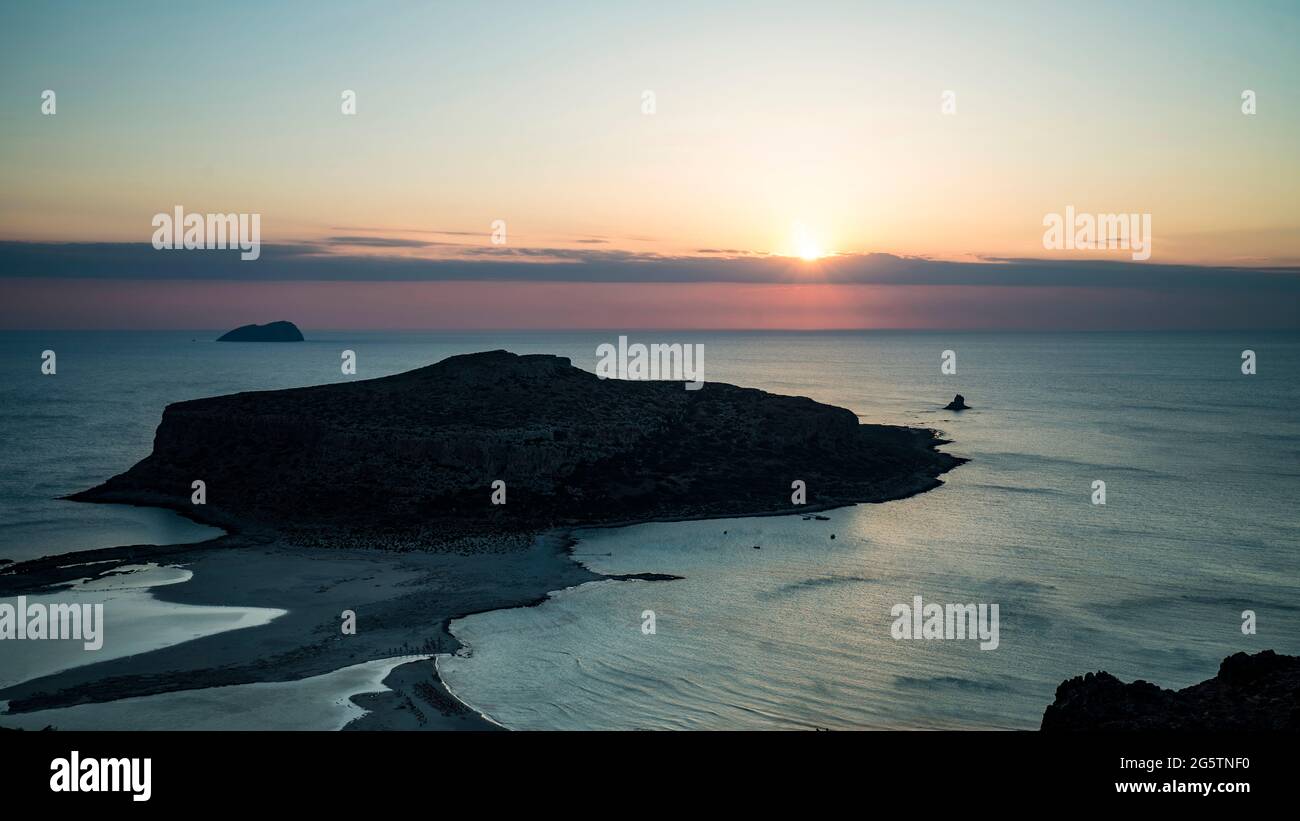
788	622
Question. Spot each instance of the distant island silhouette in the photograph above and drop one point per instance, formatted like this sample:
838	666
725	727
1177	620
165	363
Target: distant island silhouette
281	331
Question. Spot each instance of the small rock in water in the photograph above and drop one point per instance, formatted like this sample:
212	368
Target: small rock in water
756	547
832	535
958	403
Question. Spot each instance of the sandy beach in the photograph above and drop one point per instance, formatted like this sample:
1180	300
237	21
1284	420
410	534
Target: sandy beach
403	603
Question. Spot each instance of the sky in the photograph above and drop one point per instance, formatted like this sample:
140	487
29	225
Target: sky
798	168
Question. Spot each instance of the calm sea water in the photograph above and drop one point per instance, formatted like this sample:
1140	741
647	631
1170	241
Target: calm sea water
1201	465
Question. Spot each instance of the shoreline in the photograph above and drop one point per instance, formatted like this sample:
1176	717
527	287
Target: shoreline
570	537
400	609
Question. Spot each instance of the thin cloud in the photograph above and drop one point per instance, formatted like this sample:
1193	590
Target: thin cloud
436	231
382	242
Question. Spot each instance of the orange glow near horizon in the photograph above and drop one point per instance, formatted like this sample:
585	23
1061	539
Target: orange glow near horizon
841	130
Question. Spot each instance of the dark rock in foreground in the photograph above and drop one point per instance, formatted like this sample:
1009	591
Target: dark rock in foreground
958	403
1259	692
409	459
270	332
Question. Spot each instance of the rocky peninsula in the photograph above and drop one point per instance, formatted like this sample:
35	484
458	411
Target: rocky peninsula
415	460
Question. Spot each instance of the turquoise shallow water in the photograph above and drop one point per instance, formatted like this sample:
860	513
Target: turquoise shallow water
1200	462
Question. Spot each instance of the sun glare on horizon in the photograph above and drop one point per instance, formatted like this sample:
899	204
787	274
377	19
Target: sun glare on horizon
805	245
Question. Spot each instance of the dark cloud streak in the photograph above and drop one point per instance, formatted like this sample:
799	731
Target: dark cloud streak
324	261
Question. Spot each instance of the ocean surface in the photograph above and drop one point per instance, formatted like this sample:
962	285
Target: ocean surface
1201	465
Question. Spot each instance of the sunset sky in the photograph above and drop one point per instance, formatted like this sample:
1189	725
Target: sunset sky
779	132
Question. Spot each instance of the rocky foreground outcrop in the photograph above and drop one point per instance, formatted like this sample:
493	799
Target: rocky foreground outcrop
413	457
1251	692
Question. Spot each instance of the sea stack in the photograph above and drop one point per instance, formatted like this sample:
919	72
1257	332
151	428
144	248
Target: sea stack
270	332
958	403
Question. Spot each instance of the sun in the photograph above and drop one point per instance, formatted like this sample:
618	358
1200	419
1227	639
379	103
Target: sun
805	244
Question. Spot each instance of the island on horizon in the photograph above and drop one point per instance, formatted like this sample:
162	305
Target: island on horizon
281	331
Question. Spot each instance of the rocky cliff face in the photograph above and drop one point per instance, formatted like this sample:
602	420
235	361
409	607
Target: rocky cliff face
416	453
1259	692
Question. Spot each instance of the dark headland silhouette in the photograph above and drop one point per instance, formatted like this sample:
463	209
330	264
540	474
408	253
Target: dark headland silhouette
1251	692
281	331
413	457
